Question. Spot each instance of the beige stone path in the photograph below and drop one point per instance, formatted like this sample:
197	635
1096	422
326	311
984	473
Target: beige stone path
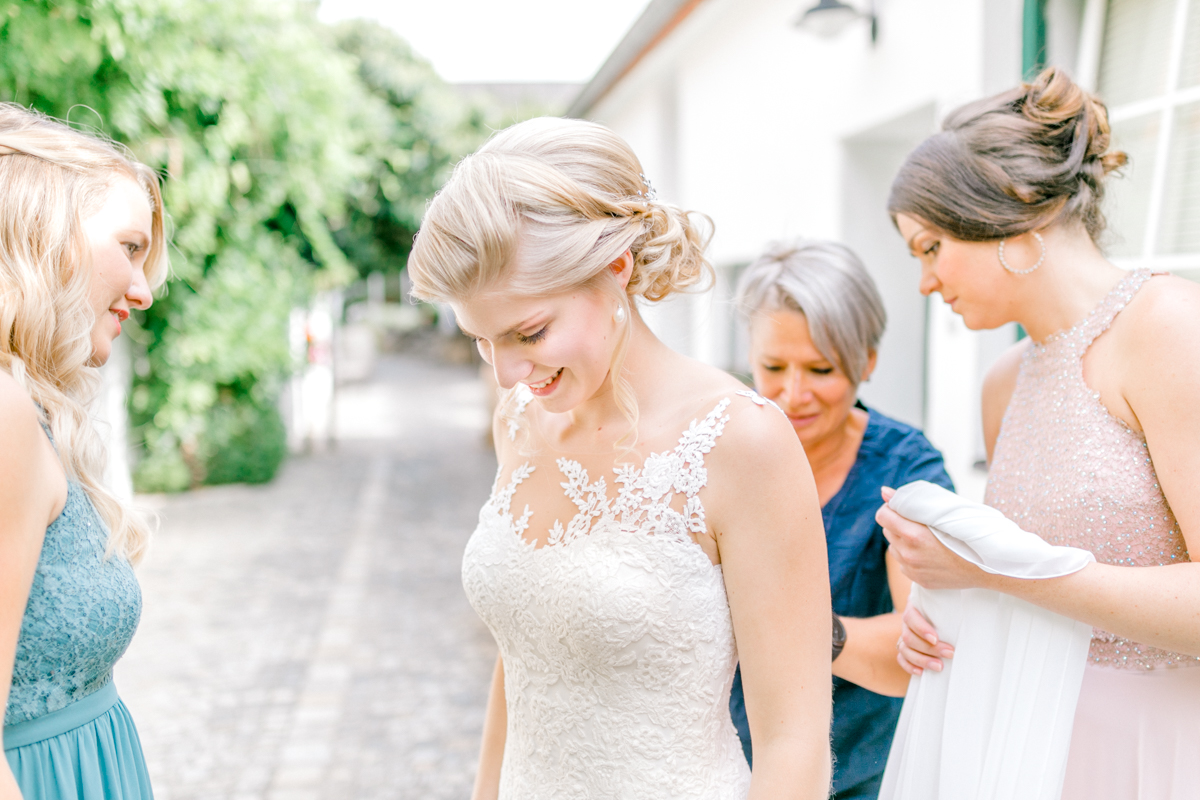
309	639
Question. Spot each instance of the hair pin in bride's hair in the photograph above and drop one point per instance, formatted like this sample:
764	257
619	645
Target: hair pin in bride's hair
649	194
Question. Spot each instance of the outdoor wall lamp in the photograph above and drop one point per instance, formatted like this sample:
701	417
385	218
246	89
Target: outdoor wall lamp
828	18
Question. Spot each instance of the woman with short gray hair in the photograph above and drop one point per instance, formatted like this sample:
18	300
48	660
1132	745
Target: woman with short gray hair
816	320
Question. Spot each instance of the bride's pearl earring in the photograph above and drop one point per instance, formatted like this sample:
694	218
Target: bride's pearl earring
619	314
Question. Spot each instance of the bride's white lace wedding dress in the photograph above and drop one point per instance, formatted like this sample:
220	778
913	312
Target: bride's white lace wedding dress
616	638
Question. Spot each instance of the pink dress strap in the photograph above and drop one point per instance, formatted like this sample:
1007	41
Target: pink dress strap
1114	303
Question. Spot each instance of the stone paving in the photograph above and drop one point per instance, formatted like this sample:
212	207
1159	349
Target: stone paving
309	639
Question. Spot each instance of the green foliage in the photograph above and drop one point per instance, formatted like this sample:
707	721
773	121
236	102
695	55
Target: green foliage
248	443
427	128
284	147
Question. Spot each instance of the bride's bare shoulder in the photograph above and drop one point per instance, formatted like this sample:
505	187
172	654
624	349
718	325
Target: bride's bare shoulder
699	380
757	462
754	431
759	433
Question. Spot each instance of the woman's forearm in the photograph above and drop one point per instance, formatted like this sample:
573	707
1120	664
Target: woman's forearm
495	732
869	658
8	784
1158	606
797	767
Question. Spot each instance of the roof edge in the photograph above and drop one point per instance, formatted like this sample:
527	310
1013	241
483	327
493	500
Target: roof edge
656	23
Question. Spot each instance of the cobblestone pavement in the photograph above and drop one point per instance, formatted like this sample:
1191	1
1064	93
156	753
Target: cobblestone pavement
310	638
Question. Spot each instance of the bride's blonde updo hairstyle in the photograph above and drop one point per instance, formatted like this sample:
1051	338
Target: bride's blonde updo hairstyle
571	196
1016	162
52	178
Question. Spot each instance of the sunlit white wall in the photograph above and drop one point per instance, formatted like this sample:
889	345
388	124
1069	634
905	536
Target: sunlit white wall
776	133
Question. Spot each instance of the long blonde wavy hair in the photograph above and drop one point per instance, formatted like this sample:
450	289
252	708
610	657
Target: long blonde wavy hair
52	178
572	195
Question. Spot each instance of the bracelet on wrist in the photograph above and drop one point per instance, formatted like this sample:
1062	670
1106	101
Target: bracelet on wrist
839	636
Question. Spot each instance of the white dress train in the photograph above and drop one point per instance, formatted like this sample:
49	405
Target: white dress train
996	723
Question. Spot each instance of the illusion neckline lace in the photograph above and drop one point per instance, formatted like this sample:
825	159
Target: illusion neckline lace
615	633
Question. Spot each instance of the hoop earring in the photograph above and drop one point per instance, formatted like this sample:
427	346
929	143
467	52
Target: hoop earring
1003	263
619	314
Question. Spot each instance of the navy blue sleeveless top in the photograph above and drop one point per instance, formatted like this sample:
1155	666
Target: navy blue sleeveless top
891	454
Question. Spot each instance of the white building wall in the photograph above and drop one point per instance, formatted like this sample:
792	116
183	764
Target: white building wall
870	160
776	133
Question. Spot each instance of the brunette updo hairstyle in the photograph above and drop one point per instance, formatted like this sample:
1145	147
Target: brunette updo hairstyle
571	196
1016	162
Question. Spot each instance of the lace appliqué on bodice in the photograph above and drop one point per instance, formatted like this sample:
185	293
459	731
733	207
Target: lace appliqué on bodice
82	613
1068	470
616	636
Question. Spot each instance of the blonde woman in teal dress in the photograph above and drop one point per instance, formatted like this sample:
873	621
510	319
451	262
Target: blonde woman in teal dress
81	245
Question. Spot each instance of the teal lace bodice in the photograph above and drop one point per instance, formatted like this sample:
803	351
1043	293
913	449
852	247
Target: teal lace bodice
83	610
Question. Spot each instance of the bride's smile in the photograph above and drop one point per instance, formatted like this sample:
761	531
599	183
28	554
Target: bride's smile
560	346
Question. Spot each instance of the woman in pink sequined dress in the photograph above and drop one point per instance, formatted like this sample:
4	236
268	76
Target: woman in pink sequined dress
1092	423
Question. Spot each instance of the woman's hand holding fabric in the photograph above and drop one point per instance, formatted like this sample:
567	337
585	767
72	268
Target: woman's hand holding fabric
919	648
922	557
1008	699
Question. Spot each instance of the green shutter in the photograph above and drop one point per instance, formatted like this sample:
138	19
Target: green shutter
1033	38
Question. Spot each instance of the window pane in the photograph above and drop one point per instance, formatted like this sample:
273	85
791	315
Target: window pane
1128	194
1189	72
1180	226
1133	60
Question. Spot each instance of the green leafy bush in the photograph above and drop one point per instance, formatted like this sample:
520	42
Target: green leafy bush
247	443
281	142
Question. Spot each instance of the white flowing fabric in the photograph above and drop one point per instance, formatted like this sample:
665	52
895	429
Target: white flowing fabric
995	724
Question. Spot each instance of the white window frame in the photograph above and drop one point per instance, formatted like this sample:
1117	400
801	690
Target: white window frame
1088	70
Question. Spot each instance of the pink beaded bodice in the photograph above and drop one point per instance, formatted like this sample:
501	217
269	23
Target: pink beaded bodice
1068	470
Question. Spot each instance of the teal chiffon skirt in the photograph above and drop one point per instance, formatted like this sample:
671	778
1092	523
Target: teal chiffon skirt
87	751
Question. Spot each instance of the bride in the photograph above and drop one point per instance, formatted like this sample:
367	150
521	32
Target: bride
648	511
